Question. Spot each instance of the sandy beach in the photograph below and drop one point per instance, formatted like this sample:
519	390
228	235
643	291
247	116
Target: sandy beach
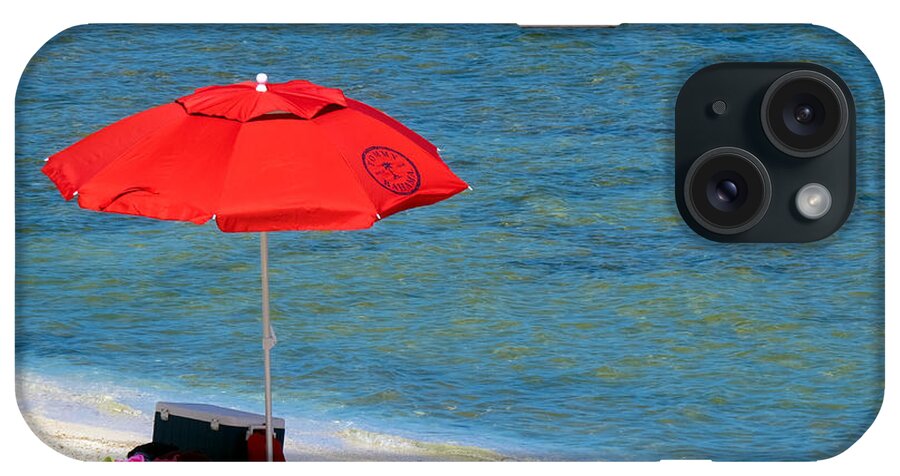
83	442
41	401
90	443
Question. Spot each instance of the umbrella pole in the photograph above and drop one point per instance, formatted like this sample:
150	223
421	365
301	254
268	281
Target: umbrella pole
268	339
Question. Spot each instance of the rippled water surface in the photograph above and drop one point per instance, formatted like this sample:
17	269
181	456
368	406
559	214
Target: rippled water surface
560	310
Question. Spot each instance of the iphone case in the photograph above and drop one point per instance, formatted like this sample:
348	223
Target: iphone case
559	310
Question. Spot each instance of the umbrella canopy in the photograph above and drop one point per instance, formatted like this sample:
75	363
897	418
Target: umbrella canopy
256	157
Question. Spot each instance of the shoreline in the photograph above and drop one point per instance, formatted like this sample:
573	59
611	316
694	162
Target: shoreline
113	429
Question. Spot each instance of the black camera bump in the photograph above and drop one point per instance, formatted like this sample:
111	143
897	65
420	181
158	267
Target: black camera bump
765	152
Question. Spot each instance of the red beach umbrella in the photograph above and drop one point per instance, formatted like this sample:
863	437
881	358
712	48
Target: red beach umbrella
256	157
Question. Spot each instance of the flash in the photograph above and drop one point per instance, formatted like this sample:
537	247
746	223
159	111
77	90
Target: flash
813	201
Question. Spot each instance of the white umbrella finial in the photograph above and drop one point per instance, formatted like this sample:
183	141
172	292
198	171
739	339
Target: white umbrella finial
261	80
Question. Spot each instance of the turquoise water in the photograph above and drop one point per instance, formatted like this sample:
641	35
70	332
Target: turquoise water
561	310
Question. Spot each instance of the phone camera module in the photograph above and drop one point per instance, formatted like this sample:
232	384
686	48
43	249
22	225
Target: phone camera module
776	164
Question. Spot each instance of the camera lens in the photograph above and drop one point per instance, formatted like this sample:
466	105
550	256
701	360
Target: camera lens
804	113
727	190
